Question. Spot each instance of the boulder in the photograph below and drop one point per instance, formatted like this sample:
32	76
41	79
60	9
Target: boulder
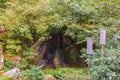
49	77
14	73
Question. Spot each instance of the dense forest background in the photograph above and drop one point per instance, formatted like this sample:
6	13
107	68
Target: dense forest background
24	22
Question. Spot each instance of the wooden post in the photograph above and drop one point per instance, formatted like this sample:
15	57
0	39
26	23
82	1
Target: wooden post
102	49
89	51
89	64
102	40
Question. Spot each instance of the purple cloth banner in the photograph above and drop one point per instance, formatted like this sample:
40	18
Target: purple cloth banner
102	36
89	45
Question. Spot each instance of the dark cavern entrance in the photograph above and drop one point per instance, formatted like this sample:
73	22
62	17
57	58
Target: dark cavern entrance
59	50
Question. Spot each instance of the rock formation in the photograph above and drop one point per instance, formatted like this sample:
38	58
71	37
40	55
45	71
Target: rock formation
13	73
1	58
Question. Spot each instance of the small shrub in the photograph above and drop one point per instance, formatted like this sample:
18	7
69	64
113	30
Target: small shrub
34	74
23	65
8	65
108	67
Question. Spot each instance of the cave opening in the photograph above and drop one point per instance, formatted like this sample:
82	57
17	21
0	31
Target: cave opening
59	50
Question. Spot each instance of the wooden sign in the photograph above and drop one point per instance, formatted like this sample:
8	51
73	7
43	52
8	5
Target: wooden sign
89	45
102	36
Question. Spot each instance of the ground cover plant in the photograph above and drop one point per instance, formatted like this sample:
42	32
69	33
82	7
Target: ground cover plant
70	74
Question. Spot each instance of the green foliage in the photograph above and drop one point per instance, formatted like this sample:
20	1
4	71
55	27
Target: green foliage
29	55
30	20
2	3
13	46
34	74
27	59
5	78
69	73
106	68
24	64
8	65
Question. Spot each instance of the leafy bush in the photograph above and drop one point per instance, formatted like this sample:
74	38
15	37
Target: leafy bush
29	55
23	65
107	67
13	46
8	65
34	74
